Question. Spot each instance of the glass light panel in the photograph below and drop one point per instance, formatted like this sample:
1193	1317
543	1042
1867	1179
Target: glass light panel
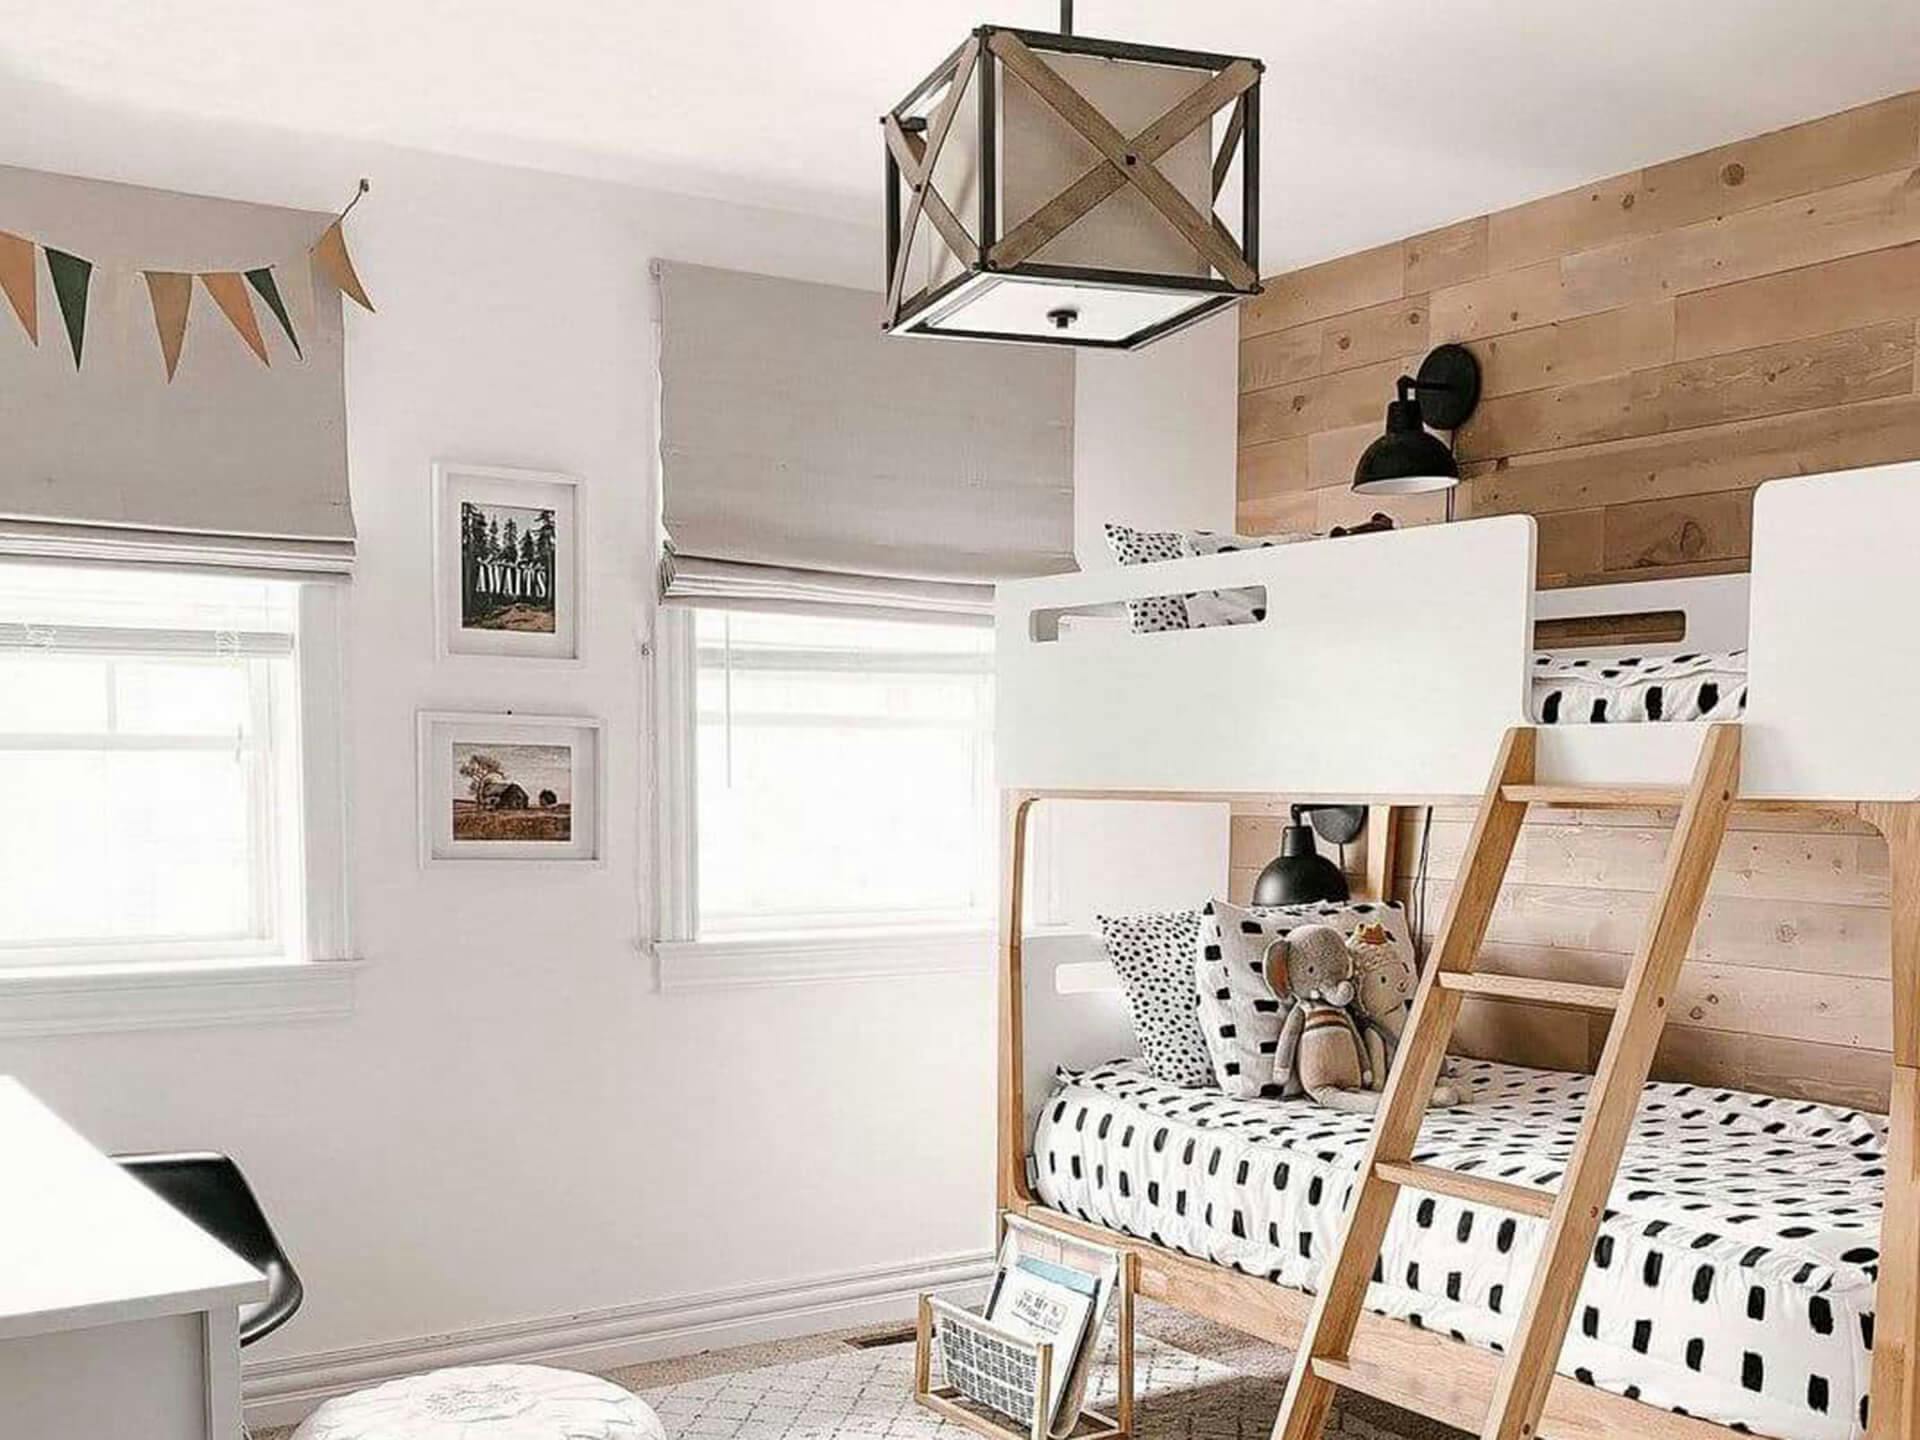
147	792
843	772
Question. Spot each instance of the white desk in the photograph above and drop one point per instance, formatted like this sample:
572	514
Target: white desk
119	1318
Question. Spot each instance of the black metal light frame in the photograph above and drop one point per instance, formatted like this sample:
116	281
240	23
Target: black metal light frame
914	314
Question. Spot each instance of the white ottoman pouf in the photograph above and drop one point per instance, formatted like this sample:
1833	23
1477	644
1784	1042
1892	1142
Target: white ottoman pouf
486	1402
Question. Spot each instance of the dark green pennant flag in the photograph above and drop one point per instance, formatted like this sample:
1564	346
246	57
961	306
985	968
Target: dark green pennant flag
71	277
262	282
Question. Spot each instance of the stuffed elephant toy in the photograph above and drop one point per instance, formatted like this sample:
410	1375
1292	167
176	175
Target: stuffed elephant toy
1313	965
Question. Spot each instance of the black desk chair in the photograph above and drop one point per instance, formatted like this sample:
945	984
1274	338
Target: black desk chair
210	1191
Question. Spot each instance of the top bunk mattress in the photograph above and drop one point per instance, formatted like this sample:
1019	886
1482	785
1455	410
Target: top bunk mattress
1635	689
1733	1274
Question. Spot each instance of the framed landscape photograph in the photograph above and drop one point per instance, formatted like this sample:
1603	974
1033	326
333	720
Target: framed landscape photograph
506	562
509	787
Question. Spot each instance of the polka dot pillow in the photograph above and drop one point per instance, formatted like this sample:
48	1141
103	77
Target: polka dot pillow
1153	955
1240	1015
1196	609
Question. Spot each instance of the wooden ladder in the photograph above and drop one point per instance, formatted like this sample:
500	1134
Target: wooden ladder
1572	1214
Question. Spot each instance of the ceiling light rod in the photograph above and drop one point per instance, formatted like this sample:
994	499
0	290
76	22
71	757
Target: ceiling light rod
1066	17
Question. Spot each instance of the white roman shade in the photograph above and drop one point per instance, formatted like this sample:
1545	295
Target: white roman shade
234	465
808	461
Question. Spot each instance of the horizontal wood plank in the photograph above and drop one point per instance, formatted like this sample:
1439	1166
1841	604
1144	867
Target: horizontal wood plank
1870	363
1351	282
1798	304
1450	255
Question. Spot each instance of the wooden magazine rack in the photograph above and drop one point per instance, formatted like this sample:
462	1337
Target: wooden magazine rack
1021	1371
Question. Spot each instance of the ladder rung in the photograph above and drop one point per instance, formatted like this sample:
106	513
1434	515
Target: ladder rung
1425	1392
1598	797
1463	1186
1531	991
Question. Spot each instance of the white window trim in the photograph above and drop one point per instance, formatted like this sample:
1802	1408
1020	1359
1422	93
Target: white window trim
684	963
193	991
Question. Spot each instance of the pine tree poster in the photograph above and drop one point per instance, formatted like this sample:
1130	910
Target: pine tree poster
507	568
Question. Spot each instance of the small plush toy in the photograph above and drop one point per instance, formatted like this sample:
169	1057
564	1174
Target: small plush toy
1383	992
1312	964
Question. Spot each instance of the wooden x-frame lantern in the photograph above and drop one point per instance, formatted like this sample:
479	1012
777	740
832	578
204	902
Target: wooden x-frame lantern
1029	276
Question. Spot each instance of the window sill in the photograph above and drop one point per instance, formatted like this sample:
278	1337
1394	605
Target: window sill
683	965
83	1000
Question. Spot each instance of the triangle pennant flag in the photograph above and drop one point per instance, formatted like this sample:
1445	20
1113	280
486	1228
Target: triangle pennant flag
171	293
71	277
20	282
330	253
229	292
262	282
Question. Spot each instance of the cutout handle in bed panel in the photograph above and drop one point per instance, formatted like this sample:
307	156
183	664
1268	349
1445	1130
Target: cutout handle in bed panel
1049	624
1389	664
1611	632
1700	614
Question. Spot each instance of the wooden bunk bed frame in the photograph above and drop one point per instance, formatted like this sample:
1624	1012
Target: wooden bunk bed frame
1515	1395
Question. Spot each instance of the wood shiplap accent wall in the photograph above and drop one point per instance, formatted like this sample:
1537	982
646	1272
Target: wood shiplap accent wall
1654	346
1787	988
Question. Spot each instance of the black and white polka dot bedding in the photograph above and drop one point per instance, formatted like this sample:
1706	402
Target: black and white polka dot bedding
1626	689
1732	1278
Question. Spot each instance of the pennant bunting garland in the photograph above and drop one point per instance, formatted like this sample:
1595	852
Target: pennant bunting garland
229	292
262	282
172	294
286	289
18	280
72	277
331	253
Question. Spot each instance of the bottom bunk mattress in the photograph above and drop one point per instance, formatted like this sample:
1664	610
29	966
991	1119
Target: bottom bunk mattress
1732	1278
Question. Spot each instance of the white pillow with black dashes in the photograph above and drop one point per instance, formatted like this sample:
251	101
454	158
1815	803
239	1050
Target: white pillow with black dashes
1240	1014
1633	689
1153	955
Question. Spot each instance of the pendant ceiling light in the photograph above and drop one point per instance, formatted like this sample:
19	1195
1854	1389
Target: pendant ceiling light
1050	188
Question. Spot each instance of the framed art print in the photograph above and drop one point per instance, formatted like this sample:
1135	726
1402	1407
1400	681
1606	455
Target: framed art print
510	787
506	562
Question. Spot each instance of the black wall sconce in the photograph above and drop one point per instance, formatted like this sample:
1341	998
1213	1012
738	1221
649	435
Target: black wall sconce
1408	459
1300	874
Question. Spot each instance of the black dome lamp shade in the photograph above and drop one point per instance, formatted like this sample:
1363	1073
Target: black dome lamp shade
1408	459
1300	874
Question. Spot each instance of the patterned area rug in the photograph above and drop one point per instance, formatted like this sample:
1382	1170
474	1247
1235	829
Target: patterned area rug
863	1395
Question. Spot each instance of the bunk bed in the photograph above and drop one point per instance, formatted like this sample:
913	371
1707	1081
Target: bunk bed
1535	1264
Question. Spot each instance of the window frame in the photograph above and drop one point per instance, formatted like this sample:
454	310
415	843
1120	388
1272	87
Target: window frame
307	973
687	960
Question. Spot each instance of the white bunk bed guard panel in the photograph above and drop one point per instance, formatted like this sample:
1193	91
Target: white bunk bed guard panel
1834	705
1387	665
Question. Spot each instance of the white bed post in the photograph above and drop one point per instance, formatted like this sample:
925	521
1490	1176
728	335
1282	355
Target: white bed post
1895	1408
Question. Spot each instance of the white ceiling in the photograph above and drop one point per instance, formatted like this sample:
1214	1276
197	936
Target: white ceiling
1381	117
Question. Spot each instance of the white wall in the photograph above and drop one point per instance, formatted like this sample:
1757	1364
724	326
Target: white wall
514	1125
1154	436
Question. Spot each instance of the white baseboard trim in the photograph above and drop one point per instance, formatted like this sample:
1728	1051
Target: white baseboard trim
281	1391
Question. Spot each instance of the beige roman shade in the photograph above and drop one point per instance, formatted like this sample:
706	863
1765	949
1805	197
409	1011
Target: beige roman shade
807	460
234	464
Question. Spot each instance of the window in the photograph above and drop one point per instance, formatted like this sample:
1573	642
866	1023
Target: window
838	774
150	768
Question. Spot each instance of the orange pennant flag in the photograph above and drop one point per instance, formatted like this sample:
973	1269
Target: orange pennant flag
171	293
18	280
330	253
229	292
